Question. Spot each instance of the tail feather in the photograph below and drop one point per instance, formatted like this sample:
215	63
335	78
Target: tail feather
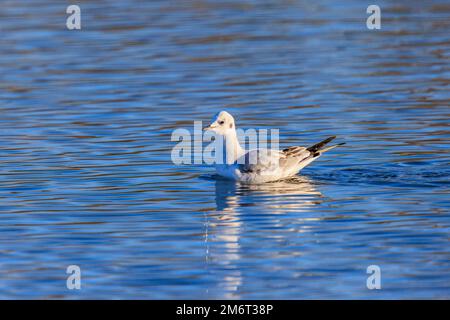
318	146
331	147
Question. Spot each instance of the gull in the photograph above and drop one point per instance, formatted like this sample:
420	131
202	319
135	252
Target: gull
260	165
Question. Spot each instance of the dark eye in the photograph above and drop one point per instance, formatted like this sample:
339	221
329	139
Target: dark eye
221	122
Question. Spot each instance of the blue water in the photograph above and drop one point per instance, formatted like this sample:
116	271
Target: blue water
86	118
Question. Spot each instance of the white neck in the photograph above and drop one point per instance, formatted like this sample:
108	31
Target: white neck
232	148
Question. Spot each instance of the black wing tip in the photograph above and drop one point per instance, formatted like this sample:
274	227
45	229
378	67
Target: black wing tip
317	146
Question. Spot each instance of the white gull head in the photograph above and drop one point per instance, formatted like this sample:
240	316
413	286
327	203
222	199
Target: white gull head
222	124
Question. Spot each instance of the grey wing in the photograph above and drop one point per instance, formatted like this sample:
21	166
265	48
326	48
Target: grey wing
259	160
293	156
296	152
299	157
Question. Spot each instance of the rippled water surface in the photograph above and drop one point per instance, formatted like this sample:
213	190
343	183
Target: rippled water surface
86	119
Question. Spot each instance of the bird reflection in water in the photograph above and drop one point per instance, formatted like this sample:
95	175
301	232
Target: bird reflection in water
224	227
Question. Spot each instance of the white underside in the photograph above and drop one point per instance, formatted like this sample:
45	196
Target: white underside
274	173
